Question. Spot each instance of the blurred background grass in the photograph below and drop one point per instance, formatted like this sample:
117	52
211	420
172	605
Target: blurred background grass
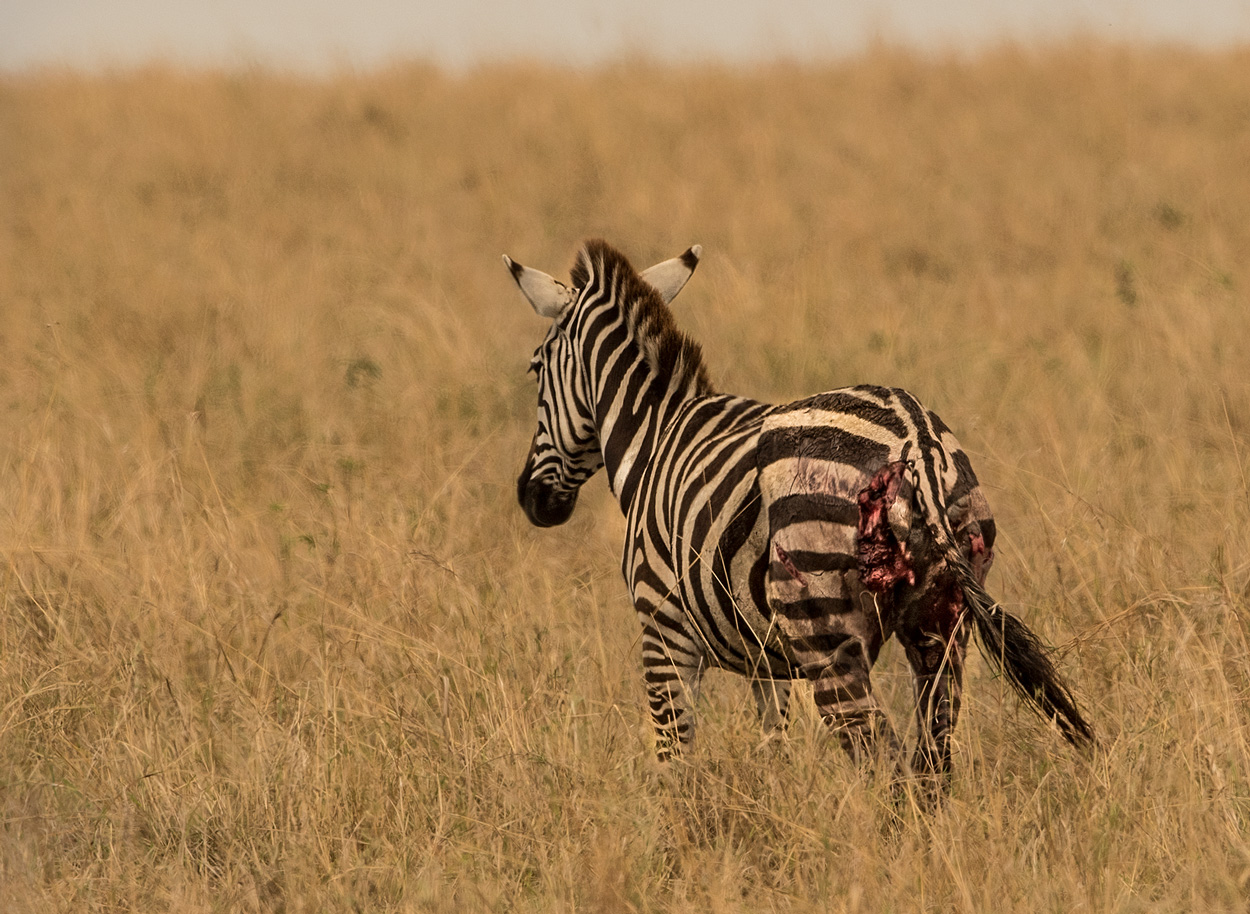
275	636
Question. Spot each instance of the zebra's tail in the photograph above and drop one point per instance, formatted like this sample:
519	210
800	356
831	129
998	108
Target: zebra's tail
1017	653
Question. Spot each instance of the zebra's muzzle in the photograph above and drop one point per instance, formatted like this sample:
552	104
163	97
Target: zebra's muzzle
544	505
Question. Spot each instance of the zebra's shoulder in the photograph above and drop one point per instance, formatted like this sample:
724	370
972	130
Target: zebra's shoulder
709	422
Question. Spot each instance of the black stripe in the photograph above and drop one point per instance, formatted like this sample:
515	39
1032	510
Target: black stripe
673	623
814	563
608	341
825	644
697	432
826	695
816	607
965	478
826	442
656	675
716	499
927	445
808	506
715	610
847	403
610	386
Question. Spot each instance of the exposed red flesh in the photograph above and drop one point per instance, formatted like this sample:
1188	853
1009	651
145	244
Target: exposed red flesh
883	560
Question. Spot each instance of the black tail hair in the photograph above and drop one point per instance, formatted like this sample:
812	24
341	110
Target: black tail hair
1017	653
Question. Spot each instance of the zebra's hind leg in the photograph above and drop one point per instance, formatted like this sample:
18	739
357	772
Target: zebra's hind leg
935	650
772	699
830	637
672	669
843	694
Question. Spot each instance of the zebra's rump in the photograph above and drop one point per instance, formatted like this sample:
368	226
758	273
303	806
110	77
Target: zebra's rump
817	458
857	485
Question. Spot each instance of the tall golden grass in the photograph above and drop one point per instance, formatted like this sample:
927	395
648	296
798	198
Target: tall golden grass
275	636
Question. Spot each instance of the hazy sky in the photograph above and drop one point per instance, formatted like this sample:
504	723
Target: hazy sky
325	34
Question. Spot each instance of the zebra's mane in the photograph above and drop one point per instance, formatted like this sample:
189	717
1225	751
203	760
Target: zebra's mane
669	352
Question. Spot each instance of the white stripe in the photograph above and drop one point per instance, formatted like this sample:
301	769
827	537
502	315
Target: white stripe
812	475
847	422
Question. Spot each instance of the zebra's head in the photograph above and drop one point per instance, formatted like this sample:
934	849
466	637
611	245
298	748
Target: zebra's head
565	451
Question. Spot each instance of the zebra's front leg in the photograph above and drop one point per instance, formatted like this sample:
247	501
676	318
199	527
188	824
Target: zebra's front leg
672	668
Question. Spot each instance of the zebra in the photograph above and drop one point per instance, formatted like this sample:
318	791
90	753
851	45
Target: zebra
778	542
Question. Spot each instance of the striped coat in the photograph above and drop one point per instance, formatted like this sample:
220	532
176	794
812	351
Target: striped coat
779	542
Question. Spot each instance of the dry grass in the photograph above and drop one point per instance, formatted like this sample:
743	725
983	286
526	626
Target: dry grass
275	636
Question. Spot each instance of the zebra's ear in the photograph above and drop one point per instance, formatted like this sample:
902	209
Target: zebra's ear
668	277
547	294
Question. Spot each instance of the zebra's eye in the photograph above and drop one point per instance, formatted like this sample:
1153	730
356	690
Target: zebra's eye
535	367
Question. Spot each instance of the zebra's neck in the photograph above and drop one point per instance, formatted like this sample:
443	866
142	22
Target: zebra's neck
637	367
634	403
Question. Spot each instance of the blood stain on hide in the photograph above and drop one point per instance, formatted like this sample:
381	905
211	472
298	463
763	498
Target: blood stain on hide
788	563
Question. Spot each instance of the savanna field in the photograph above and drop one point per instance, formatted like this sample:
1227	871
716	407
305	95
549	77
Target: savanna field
275	636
